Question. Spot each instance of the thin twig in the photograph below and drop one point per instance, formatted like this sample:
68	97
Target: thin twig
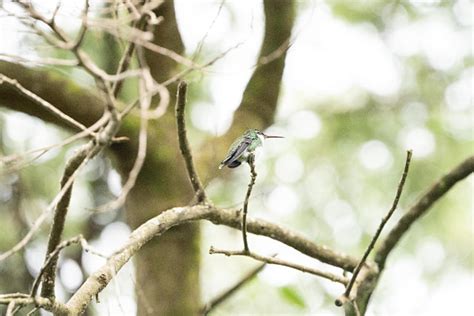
277	261
13	159
213	303
184	144
382	224
253	177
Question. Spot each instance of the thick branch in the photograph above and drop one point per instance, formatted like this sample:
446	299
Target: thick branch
59	219
420	208
180	215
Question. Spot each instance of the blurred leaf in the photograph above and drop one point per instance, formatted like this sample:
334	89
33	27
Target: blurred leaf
291	295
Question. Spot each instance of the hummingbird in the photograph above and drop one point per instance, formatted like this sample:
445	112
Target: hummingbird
243	146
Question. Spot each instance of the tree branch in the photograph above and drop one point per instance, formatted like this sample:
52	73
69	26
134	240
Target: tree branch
45	104
180	215
369	275
232	218
57	227
347	297
420	208
82	104
277	261
184	144
24	299
379	229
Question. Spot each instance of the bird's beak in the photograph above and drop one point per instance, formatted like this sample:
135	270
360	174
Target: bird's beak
272	136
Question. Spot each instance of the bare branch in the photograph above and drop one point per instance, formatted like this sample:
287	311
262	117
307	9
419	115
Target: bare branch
180	215
40	61
14	158
277	261
184	144
60	213
47	304
233	218
438	189
45	104
382	224
253	178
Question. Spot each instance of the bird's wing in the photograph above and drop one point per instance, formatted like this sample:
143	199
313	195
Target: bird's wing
237	152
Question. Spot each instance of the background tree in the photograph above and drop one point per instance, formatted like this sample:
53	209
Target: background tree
366	129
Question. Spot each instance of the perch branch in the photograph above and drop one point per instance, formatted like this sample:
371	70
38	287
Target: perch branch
253	178
233	218
184	144
156	226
